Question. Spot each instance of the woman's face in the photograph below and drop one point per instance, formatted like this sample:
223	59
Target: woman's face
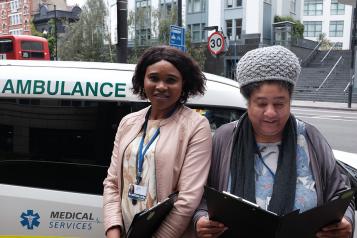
269	110
163	87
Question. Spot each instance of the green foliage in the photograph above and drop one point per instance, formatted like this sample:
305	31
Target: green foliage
50	36
165	21
197	51
34	32
87	39
326	44
161	23
298	27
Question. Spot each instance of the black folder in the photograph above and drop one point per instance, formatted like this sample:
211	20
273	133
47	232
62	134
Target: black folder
146	222
245	219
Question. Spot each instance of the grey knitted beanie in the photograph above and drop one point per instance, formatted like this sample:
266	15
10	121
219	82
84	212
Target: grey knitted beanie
268	63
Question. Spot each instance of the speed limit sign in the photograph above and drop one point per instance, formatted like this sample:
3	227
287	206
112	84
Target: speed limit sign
216	43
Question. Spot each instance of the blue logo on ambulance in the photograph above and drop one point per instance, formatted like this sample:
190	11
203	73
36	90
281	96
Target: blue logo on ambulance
29	219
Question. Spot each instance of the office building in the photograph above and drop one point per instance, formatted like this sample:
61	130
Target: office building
329	17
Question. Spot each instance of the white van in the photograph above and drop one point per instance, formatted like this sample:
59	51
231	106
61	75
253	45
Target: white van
57	127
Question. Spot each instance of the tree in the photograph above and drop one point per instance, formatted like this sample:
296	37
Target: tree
326	44
160	27
87	39
165	20
50	36
136	20
197	51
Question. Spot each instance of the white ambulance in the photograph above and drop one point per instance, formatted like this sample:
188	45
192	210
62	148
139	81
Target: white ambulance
57	127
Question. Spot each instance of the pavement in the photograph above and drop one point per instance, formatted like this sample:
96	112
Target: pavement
324	105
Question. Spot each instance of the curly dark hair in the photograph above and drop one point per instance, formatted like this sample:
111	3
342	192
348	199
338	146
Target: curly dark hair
248	89
194	81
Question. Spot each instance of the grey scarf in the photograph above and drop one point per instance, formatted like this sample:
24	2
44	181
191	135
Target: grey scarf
242	166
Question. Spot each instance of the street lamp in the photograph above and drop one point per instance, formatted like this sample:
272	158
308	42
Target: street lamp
55	29
353	45
54	7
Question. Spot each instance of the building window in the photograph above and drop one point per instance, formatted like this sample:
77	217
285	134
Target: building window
238	28
313	7
312	28
15	32
14	5
189	6
336	28
166	8
144	36
142	3
231	3
338	45
196	6
337	8
203	4
15	19
293	6
26	10
197	32
203	32
231	65
229	27
3	14
267	1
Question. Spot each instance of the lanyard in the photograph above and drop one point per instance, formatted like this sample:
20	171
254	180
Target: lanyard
265	165
141	153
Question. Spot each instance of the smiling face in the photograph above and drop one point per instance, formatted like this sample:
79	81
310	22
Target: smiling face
163	85
269	110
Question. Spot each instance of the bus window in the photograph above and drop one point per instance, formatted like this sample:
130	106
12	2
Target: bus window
6	45
6	48
23	47
32	49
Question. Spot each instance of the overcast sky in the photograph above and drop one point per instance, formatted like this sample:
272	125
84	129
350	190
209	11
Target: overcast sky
73	2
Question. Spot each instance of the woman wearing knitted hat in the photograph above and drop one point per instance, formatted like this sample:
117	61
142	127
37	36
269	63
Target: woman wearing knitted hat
268	156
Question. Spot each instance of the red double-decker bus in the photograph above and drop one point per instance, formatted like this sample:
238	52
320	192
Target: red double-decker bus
24	47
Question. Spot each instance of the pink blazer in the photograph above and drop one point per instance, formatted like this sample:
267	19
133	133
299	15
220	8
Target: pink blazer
182	155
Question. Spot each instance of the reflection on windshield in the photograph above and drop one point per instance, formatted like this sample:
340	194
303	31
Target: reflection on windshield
219	116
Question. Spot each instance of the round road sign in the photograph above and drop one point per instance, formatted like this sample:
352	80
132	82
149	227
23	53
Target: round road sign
216	43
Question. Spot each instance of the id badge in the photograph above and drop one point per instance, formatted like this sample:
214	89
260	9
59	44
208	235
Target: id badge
137	192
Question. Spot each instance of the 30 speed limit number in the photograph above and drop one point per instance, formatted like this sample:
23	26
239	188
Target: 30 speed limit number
216	43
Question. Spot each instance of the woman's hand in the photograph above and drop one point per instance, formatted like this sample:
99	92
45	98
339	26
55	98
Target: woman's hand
207	228
113	232
342	229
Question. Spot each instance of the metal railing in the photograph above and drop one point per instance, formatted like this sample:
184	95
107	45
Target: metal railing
348	85
328	52
307	58
328	75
